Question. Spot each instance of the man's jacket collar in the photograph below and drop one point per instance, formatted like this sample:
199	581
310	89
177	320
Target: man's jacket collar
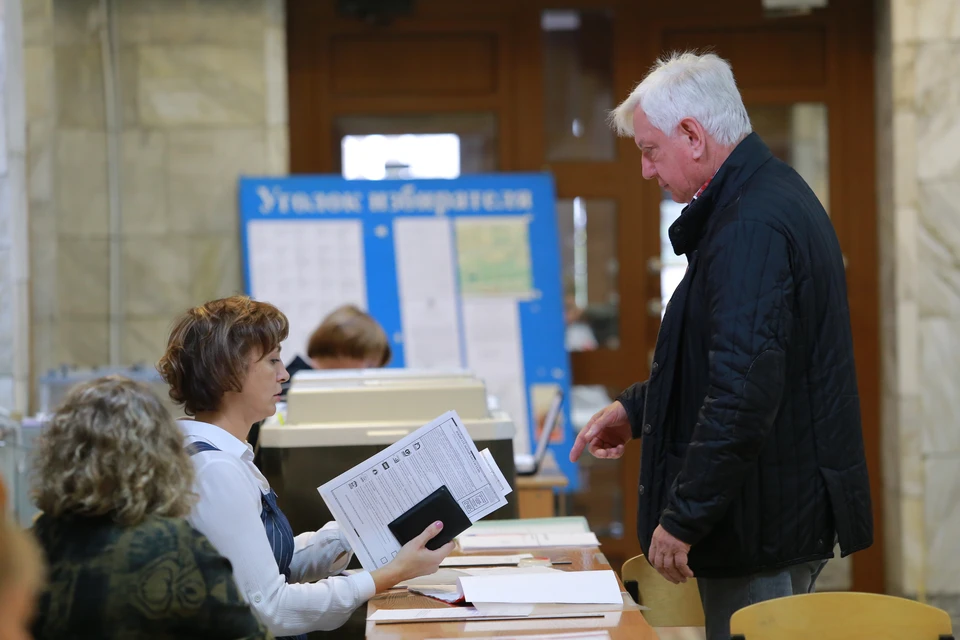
736	170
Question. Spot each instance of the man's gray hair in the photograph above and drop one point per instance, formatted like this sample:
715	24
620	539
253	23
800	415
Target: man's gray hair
688	85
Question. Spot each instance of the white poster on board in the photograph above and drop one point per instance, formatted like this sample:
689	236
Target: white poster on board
491	327
322	268
426	279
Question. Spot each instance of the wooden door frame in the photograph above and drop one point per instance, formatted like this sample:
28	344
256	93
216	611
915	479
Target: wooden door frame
849	94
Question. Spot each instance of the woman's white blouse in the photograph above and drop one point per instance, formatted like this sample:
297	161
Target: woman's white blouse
228	513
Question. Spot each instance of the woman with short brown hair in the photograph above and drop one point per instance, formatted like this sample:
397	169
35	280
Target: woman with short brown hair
349	338
223	363
113	482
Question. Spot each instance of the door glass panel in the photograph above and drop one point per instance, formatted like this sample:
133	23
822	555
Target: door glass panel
419	146
577	84
797	134
588	245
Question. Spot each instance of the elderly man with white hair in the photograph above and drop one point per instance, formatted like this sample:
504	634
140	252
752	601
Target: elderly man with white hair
752	460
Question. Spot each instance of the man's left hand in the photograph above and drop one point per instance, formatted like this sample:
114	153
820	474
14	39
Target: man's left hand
668	555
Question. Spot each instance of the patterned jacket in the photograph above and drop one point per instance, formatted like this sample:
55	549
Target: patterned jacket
159	579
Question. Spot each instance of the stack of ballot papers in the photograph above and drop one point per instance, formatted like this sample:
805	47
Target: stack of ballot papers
368	497
541	594
521	590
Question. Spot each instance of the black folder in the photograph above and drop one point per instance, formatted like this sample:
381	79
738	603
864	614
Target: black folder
439	505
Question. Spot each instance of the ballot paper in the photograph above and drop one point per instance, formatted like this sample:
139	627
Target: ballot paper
368	497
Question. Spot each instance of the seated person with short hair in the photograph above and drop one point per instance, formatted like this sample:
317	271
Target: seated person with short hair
223	363
348	338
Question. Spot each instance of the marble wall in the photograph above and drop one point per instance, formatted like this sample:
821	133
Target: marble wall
14	314
202	100
918	107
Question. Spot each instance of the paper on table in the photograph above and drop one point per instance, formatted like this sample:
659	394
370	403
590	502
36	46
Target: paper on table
446	575
446	593
565	524
451	576
445	584
368	497
508	571
483	561
527	540
536	622
398	615
382	616
564	587
503	608
586	635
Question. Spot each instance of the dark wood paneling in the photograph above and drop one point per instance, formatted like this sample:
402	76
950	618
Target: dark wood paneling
421	65
854	210
793	56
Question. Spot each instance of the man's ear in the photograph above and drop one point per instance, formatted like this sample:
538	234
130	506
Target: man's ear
694	136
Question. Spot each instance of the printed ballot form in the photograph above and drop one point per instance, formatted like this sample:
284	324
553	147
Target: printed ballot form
368	497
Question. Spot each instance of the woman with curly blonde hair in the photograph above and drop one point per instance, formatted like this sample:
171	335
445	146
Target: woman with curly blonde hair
113	483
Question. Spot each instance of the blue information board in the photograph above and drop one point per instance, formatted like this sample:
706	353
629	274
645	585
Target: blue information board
461	273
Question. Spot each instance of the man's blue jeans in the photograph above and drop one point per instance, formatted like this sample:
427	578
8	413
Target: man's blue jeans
721	597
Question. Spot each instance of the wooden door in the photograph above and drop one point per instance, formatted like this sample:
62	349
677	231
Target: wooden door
527	83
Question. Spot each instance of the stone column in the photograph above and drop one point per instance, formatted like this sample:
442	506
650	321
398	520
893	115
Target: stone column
918	106
14	283
203	93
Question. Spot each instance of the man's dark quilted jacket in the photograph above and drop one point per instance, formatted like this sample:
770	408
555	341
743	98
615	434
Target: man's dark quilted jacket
752	449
